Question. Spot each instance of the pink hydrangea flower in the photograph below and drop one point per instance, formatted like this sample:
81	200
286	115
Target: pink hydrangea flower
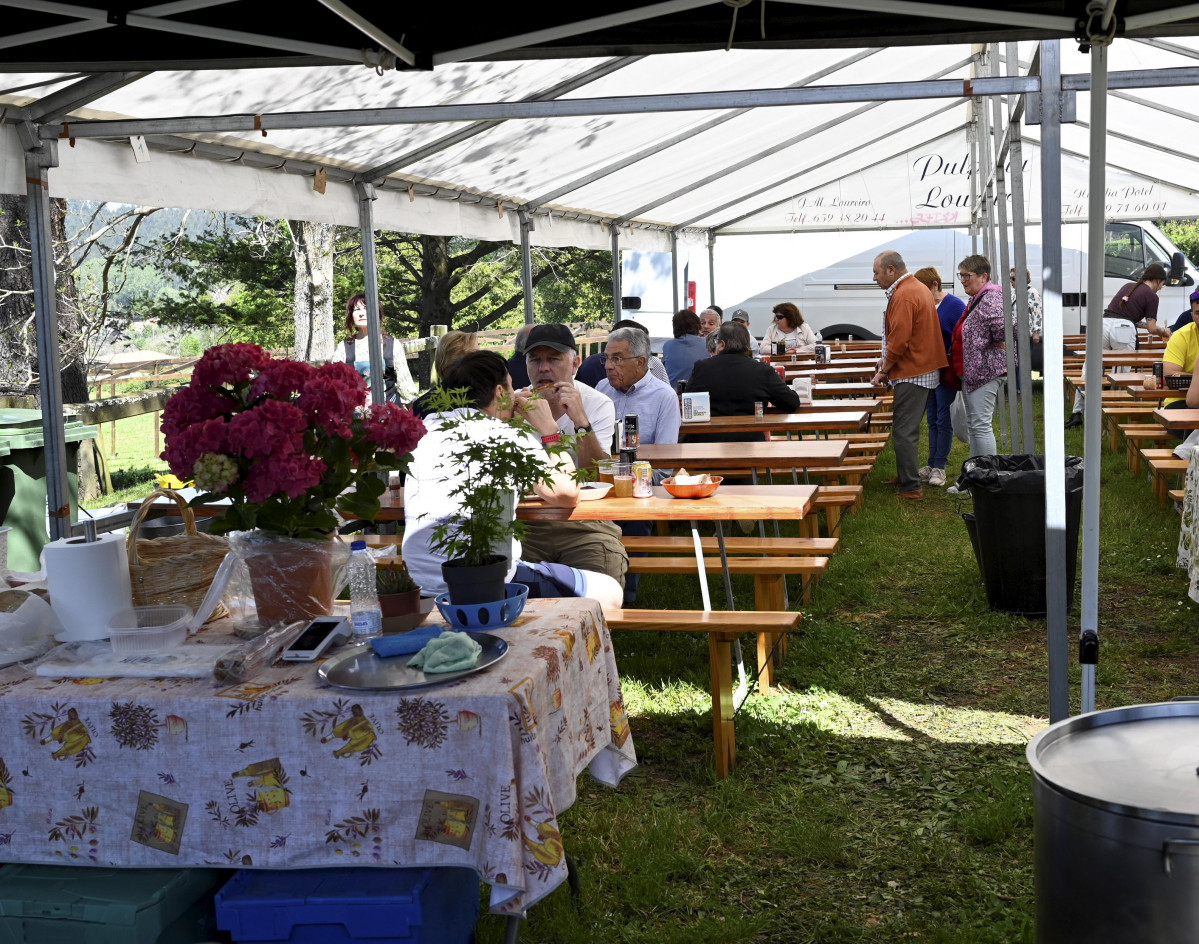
392	428
330	398
229	364
272	427
281	379
192	405
291	475
185	447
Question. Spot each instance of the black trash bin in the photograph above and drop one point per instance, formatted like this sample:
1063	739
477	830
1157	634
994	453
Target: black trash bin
1008	528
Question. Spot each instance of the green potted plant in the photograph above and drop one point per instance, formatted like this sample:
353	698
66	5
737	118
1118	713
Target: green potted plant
491	472
399	597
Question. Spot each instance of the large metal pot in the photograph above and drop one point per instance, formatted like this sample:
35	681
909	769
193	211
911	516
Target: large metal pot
1116	798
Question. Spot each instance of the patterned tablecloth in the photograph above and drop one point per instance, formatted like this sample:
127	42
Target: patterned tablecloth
283	772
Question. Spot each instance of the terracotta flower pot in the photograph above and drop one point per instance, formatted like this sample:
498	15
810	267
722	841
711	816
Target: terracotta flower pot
402	611
292	580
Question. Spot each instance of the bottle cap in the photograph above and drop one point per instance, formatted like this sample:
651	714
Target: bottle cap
357	546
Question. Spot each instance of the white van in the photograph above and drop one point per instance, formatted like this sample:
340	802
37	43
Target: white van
842	301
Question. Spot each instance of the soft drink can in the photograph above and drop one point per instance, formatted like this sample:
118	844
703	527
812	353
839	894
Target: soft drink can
632	436
643	480
628	456
1159	370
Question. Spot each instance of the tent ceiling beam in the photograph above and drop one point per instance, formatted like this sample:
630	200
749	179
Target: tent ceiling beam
89	19
1136	78
570	108
1145	103
761	155
371	31
508	43
1140	21
1168	47
58	104
478	127
685	135
1186	188
1141	142
58	80
1054	24
92	19
812	167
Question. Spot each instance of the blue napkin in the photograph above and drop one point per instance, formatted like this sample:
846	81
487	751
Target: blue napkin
401	644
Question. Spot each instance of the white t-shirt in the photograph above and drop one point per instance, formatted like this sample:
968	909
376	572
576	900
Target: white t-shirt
437	468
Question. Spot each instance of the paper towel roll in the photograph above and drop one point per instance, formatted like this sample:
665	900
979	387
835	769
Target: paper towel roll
88	584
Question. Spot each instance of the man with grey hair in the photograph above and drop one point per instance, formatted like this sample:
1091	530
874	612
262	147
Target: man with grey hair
709	321
911	362
633	389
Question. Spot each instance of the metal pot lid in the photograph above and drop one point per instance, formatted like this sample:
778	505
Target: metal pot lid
1142	760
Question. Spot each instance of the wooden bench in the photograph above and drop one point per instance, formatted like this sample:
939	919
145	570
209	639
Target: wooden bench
653	544
1163	465
831	499
1141	434
723	629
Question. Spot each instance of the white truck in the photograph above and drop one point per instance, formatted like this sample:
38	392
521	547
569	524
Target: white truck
842	301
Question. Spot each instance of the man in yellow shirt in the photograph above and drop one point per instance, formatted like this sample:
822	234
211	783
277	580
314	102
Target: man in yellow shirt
1181	354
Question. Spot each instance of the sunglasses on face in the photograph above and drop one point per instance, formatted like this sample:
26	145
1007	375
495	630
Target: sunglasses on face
779	317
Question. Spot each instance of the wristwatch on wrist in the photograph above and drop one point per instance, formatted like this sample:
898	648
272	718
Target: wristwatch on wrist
580	430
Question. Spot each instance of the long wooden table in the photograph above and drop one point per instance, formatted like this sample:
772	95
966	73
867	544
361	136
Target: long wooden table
781	423
1177	419
821	389
793	454
829	372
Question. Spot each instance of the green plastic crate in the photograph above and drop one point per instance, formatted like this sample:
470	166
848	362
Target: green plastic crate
51	904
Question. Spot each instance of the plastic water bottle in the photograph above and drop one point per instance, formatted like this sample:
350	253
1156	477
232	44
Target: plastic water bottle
367	618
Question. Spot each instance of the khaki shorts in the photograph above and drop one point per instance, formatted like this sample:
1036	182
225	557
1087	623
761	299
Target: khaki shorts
587	545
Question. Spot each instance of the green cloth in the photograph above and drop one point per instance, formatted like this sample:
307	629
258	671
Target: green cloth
449	652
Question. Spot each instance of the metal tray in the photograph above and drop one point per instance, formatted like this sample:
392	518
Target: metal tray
359	668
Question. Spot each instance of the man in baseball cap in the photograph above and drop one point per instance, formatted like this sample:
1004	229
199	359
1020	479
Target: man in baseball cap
555	336
740	315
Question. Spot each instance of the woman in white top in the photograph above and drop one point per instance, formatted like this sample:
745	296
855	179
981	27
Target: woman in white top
789	327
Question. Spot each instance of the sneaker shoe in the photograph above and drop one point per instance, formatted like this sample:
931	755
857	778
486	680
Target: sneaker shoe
936	478
924	472
956	490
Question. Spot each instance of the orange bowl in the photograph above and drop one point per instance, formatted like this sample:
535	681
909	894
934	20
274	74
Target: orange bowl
692	491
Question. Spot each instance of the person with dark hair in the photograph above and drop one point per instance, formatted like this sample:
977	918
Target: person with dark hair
734	381
940	427
1133	305
591	371
397	383
789	327
1188	316
494	411
517	369
687	347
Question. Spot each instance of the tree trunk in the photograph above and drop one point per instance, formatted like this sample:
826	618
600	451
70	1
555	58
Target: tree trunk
16	298
71	341
313	251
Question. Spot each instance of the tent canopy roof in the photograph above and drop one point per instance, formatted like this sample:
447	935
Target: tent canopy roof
222	34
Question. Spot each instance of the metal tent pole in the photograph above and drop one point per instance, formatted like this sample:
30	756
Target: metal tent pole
1013	426
616	273
40	156
370	278
526	264
1020	262
711	268
1057	599
674	268
1089	631
972	140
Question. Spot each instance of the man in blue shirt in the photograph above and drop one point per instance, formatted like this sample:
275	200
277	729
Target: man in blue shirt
634	390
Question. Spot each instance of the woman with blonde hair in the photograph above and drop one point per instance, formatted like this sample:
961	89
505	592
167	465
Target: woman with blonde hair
790	328
940	427
451	346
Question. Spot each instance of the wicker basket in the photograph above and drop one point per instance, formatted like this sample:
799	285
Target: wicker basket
175	569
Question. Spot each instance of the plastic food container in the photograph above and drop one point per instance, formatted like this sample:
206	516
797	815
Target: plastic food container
149	629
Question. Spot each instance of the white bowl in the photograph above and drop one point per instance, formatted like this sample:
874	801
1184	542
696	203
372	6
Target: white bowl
590	491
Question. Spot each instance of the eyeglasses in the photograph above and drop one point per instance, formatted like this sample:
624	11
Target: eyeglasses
965	276
779	317
615	359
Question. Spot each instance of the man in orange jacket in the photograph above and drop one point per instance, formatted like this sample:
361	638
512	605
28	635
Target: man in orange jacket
913	355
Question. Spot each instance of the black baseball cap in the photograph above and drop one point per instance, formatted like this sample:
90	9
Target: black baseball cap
556	336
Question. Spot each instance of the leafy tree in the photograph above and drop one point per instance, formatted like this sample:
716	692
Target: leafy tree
1185	235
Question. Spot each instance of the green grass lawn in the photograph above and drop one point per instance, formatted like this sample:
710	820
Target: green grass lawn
883	794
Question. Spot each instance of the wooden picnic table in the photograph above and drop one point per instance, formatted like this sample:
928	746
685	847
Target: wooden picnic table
826	372
828	405
1177	419
820	389
1134	383
791	454
842	420
806	360
730	503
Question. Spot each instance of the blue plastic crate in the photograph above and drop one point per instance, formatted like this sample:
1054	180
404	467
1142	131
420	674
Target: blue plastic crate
384	906
61	904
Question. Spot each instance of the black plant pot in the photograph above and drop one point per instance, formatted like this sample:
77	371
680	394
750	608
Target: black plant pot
475	583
